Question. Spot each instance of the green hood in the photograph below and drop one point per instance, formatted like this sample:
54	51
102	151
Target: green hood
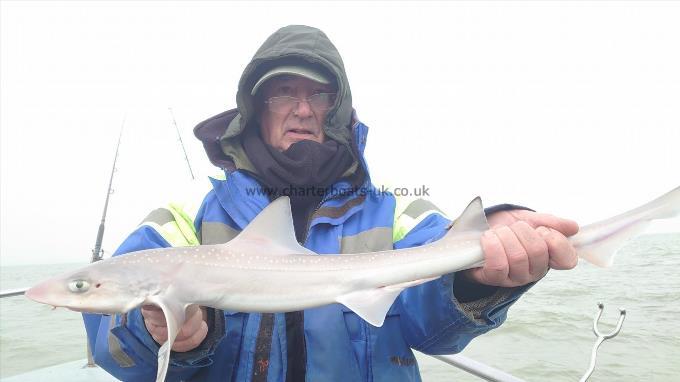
293	43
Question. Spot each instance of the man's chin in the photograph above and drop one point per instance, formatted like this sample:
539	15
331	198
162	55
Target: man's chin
291	141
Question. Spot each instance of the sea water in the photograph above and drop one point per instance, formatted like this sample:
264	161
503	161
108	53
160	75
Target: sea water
547	336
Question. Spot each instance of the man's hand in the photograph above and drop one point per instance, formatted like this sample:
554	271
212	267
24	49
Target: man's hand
521	246
191	334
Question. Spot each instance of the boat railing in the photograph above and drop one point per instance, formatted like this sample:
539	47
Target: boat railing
12	292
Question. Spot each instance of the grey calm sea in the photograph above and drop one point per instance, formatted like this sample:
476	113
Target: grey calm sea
547	336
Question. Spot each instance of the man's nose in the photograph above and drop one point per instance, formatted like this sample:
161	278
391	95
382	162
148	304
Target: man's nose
303	109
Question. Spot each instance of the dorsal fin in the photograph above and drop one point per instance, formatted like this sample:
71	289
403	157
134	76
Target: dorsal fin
473	218
274	223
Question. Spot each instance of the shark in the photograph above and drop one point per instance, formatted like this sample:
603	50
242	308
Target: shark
265	270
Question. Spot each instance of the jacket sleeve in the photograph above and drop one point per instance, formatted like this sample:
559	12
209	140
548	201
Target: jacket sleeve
122	346
434	317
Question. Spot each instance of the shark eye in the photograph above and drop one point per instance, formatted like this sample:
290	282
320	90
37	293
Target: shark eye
78	286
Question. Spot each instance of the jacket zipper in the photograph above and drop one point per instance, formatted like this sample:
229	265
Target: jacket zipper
324	199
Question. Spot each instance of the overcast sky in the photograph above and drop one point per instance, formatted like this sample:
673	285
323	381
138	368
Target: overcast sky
569	108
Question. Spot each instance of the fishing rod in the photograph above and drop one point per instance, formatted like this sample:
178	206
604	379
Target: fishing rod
182	144
97	251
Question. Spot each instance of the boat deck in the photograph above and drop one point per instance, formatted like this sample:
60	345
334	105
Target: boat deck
74	371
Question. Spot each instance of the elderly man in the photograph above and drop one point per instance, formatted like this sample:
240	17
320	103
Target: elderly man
294	129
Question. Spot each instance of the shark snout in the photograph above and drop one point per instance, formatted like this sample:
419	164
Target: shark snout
39	293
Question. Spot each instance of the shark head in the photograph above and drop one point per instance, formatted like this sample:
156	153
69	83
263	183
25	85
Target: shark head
88	290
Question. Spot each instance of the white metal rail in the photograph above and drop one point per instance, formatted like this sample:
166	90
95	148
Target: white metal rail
12	292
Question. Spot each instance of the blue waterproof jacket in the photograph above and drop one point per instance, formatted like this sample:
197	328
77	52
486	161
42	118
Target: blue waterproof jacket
339	345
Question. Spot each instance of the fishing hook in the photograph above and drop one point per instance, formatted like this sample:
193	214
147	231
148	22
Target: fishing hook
601	337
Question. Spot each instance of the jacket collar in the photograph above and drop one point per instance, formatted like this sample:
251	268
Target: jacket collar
242	196
210	131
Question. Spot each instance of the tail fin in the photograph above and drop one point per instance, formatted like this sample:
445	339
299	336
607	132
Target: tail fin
597	243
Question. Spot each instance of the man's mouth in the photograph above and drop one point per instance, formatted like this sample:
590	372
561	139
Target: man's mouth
300	132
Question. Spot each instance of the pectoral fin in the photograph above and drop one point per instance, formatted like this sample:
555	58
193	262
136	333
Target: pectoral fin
174	312
372	305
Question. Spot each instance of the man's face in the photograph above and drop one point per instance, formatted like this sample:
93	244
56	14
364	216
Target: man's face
283	122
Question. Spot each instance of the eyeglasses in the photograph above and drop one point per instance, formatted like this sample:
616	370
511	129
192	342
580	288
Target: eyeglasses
317	102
